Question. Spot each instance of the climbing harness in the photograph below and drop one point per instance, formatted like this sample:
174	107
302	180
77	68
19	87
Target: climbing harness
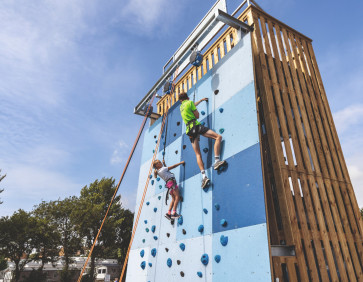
119	183
168	189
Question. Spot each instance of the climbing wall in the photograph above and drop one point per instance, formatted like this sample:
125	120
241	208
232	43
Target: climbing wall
222	234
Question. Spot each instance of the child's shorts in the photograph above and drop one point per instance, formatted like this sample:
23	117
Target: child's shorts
172	186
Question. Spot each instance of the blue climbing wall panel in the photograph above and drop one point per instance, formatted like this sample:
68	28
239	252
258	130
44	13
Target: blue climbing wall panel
238	249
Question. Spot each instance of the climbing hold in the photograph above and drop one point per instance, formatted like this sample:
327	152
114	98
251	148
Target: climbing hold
217	206
155	238
153	228
180	220
223	222
204	259
176	152
143	264
200	274
153	151
221	110
178	262
160	186
163	153
205	150
182	246
203	113
159	197
174	134
162	136
203	123
143	240
150	264
178	123
152	182
156	141
150	176
153	252
184	232
147	229
155	209
166	249
142	253
201	228
181	273
205	211
184	146
168	235
224	240
145	221
147	203
216	92
164	143
154	136
169	262
158	179
221	130
217	258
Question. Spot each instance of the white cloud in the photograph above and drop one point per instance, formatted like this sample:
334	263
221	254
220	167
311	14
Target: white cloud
119	153
348	117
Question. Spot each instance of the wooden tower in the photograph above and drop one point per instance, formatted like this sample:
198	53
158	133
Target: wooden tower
310	202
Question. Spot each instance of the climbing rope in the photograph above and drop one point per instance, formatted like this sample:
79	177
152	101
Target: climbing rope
119	183
147	181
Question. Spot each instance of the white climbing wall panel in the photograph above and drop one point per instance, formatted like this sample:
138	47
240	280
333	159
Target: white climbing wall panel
236	195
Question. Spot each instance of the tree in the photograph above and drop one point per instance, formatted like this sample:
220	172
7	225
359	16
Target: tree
1	190
3	263
16	233
91	209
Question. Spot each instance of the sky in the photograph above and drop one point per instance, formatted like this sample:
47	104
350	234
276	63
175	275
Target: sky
72	71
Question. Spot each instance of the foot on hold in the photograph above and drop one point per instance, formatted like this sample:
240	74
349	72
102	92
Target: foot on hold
175	215
219	164
168	216
205	182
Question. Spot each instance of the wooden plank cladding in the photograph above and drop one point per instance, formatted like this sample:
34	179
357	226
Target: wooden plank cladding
309	195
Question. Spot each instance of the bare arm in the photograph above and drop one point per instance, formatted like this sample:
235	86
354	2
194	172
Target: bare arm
200	101
155	173
176	165
196	114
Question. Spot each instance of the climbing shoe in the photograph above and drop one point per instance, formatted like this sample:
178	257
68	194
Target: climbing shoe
219	164
205	182
168	216
175	215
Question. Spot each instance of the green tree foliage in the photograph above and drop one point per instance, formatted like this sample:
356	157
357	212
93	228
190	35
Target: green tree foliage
1	190
16	233
89	213
3	263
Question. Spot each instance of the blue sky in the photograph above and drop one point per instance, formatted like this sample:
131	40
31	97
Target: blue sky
72	71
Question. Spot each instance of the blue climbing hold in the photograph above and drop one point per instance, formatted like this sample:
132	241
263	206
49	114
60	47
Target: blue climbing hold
153	228
153	252
150	176
201	228
143	264
147	229
159	197
200	274
217	206
147	203
155	209
205	150
142	253
160	186
223	222
156	141
162	136
180	220
164	143
152	182
163	153
182	246
217	258
221	110
203	113
155	238
153	151
203	123
221	130
224	240
204	259
169	262
205	211
150	264
158	179
145	221
143	240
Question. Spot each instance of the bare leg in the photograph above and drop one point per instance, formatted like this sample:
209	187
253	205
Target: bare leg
176	197
217	145
196	149
172	202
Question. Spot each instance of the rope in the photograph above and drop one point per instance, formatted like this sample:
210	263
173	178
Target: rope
147	181
118	185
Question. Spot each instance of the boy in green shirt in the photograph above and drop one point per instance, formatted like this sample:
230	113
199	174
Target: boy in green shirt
194	128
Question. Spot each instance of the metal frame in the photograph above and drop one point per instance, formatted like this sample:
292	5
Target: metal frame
219	16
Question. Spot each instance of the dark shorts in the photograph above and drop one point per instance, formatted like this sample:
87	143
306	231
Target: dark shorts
196	131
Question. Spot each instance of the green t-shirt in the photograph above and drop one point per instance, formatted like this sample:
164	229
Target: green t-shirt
186	109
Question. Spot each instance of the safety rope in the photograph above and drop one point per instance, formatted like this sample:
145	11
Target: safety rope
119	183
147	180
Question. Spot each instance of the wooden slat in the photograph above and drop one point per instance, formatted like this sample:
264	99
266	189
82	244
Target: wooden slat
210	60
215	55
221	48
228	42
